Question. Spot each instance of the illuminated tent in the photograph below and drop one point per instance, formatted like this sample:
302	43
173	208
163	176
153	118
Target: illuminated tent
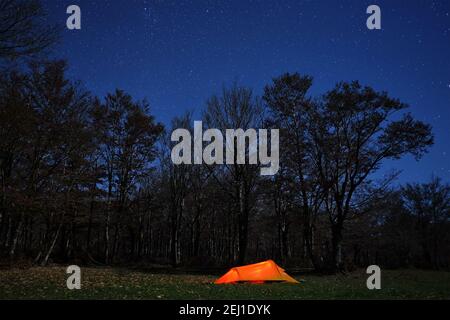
256	273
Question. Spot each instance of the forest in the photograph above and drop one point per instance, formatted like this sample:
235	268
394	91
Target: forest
89	180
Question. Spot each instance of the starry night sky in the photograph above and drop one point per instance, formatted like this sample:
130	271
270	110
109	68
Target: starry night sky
178	53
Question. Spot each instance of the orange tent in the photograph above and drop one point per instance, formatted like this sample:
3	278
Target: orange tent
256	273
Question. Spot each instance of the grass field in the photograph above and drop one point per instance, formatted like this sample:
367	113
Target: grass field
109	283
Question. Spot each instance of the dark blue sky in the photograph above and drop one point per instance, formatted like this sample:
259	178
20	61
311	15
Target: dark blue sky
178	53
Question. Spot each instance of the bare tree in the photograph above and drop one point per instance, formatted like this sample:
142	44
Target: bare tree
429	203
24	30
177	186
127	148
290	110
237	108
354	132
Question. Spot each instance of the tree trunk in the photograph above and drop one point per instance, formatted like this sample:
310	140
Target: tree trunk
175	252
12	251
89	230
107	237
52	246
108	217
336	244
174	248
243	225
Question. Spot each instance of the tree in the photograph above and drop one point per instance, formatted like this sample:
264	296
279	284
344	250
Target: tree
23	29
46	156
87	180
237	108
128	134
429	203
354	132
290	111
177	188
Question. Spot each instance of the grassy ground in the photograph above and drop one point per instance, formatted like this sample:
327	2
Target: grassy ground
109	283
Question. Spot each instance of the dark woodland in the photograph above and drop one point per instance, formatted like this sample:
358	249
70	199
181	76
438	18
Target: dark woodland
89	180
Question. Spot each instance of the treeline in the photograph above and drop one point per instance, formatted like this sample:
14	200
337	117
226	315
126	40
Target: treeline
90	180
